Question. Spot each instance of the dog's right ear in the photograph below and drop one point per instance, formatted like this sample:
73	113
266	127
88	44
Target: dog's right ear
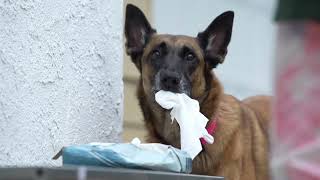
137	32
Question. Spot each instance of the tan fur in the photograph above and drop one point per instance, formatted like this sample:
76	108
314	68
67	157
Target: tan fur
240	150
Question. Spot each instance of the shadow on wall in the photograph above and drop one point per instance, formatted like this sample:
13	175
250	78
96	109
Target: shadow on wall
133	121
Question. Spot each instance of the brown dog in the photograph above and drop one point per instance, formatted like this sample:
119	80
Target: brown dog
184	64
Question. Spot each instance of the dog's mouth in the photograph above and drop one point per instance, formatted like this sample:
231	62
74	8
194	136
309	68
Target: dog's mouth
173	91
156	90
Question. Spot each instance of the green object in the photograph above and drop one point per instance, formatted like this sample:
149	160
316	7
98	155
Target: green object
288	10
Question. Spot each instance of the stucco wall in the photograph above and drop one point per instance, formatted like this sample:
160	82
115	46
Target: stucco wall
60	76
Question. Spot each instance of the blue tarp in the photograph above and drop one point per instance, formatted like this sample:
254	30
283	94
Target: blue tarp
126	155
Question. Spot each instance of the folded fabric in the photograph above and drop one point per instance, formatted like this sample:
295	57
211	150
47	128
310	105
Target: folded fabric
186	112
129	155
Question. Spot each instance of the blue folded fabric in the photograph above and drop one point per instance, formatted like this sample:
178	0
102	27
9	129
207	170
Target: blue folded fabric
126	155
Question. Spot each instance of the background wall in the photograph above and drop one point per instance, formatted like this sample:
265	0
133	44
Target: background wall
60	77
247	69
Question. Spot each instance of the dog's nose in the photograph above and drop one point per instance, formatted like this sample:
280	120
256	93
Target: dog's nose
170	81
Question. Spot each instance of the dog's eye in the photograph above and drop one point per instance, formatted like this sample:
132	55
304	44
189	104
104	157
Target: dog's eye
189	57
156	54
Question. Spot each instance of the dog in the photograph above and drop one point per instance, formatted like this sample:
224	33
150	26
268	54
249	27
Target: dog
183	64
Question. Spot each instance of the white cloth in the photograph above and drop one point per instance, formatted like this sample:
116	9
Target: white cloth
186	112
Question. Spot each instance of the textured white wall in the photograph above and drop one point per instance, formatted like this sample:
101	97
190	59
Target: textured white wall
247	69
60	76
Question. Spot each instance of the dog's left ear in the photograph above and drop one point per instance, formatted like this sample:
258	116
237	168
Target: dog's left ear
215	39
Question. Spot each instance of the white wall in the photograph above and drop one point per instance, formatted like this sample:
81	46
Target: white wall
247	69
60	77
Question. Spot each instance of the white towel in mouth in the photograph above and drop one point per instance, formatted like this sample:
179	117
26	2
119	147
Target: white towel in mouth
186	112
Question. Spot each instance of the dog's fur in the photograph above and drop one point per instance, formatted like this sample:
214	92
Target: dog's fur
240	150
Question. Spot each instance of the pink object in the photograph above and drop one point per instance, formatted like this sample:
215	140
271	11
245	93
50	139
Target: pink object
211	127
305	164
296	127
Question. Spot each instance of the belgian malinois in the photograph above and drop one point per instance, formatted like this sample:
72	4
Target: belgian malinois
184	64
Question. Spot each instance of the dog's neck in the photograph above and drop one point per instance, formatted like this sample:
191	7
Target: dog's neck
209	101
158	121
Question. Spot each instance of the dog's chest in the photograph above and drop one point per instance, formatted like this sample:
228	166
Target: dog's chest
168	130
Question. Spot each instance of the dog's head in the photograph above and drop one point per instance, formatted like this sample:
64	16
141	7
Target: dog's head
176	63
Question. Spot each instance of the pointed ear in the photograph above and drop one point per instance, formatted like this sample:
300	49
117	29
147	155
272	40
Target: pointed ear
137	32
215	39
